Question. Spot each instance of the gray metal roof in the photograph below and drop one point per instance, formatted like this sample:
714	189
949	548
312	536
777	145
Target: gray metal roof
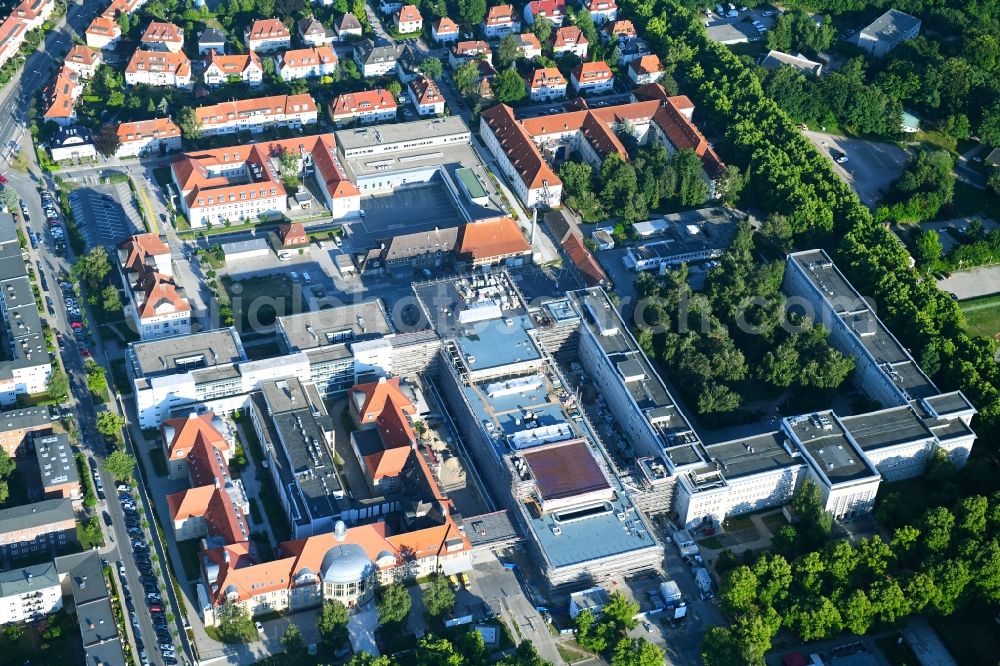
186	352
29	516
28	579
56	464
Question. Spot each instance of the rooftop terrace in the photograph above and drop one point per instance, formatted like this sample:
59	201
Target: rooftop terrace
185	353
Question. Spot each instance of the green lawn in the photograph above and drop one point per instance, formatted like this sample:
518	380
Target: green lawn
971	635
982	315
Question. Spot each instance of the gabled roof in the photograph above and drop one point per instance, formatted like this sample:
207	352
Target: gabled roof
267	29
134	251
477	47
225	112
366	100
547	76
232	64
156	128
445	26
309	57
527	41
104	27
683	134
159	61
618	29
499	237
156	291
649	64
163	33
81	55
211	36
290	232
584	261
588	72
547	8
500	14
348	22
568	37
408	14
185	434
519	148
426	91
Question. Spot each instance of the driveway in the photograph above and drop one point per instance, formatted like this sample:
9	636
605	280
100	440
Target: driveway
362	628
872	167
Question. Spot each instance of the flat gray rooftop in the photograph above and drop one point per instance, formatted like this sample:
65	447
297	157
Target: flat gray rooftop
386	137
56	463
752	455
494	344
185	353
37	514
949	403
891	26
827	444
489	528
28	579
335	326
888	427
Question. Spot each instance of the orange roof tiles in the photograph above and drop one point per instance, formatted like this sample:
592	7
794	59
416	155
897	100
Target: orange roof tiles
500	15
548	8
366	100
529	41
623	28
226	112
584	261
156	128
267	29
649	64
192	431
568	36
382	403
547	76
499	237
232	64
103	26
163	33
472	48
159	290
445	26
408	14
320	55
159	61
426	91
81	55
590	72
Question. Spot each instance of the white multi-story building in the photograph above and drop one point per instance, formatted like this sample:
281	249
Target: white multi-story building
570	40
156	305
553	10
266	35
29	593
159	68
426	97
444	31
366	106
257	114
601	11
500	21
647	69
592	77
306	63
147	136
103	33
242	183
408	20
546	83
220	69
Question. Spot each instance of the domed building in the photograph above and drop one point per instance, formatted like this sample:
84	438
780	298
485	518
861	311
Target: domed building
348	575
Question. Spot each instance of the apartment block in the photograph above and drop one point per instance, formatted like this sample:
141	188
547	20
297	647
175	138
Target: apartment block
159	68
58	474
33	529
146	137
29	593
257	114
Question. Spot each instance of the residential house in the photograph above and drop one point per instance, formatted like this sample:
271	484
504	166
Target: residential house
592	78
12	35
103	33
348	27
367	106
143	137
632	49
647	69
17	425
528	45
546	83
426	96
500	21
257	114
601	11
210	40
569	40
408	20
887	32
61	96
376	60
180	436
617	31
83	61
306	63
29	594
553	10
314	33
466	51
267	35
156	305
444	31
58	476
72	142
292	236
220	69
30	530
388	7
162	37
159	68
408	65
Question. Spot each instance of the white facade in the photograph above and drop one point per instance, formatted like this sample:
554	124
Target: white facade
318	63
71	150
529	196
29	593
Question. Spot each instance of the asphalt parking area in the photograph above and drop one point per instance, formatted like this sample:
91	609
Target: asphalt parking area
105	214
871	167
403	211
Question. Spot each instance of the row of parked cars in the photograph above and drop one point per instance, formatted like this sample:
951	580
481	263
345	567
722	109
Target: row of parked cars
150	584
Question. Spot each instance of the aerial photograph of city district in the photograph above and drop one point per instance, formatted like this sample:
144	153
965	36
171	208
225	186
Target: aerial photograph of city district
464	333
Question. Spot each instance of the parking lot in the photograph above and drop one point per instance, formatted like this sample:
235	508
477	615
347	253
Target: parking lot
404	211
871	167
739	28
105	214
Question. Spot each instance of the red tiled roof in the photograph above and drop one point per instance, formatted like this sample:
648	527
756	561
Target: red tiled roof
519	148
584	261
568	36
445	26
319	55
163	33
192	431
649	64
81	55
157	128
548	8
473	48
500	15
408	14
588	72
267	29
366	100
426	91
154	61
499	237
232	64
547	76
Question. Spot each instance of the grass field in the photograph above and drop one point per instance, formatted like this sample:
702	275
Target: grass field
982	315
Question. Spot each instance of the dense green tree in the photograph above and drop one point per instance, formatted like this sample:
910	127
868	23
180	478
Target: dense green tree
188	123
542	29
293	643
858	613
57	385
471	12
97	378
928	250
110	299
234	623
739	591
368	659
473	648
120	465
395	605
432	67
93	267
438	596
524	655
332	623
508	86
466	77
508	51
637	652
433	651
